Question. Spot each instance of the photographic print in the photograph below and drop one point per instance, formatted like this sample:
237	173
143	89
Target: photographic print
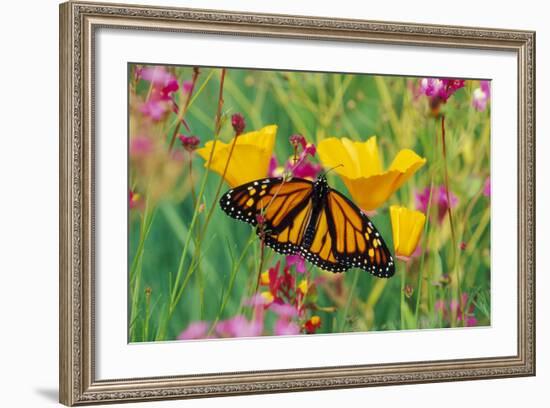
277	203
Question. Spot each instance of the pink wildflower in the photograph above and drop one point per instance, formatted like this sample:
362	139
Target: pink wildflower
190	143
238	123
195	330
239	326
439	199
140	146
441	89
297	261
298	140
481	96
487	187
285	327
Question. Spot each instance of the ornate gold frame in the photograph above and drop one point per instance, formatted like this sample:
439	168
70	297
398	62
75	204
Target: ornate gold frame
78	22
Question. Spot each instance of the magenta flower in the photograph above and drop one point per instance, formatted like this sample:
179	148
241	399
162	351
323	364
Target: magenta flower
430	86
297	261
439	199
165	91
283	310
301	166
487	187
190	143
440	89
157	75
310	149
481	96
239	326
238	123
160	99
163	81
306	169
285	327
195	330
154	108
298	140
140	146
274	169
187	86
486	87
256	300
454	306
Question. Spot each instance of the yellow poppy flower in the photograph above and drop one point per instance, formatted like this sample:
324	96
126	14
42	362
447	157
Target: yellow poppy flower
249	160
407	226
361	169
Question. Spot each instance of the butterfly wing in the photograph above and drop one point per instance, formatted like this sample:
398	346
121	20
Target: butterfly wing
285	206
320	251
357	242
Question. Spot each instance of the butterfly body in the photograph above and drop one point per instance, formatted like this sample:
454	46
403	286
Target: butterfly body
298	216
320	190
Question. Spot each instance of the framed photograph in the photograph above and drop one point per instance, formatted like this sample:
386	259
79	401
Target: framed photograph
258	203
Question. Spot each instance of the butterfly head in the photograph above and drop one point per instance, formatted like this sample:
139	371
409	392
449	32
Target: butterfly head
321	186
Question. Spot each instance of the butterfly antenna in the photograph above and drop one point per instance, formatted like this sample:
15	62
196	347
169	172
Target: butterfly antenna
332	168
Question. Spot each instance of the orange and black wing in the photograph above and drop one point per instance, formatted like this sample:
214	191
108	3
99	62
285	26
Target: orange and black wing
356	241
321	250
284	205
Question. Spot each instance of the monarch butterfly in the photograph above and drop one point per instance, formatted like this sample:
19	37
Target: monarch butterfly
299	216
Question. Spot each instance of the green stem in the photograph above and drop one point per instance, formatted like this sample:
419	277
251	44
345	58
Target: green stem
183	110
195	95
176	290
147	314
232	277
403	305
144	232
135	268
447	190
349	300
455	280
424	242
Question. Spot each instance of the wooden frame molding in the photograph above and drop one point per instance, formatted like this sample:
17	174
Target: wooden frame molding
78	22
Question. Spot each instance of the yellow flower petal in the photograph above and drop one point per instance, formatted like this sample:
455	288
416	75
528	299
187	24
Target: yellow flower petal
368	157
353	157
371	192
315	320
264	278
303	286
263	138
407	226
407	161
362	172
249	160
267	296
